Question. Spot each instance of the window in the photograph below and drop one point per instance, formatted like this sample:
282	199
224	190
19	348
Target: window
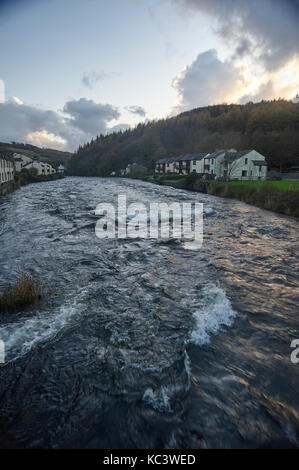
194	162
244	173
212	161
246	161
260	168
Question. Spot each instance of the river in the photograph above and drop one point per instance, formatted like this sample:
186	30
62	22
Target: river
142	343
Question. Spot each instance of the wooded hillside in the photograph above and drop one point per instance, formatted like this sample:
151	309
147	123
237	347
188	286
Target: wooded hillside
270	127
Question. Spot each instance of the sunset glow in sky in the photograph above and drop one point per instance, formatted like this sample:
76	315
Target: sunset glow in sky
72	69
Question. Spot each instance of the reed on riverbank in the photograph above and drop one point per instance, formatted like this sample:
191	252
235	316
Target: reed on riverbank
23	293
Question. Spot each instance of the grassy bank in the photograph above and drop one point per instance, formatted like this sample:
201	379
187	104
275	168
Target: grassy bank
277	196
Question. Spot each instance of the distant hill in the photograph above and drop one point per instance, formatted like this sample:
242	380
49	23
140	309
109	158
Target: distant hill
270	127
55	157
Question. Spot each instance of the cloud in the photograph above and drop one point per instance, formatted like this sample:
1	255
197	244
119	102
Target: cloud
266	28
118	127
263	38
208	81
90	79
90	117
136	110
46	139
82	120
264	92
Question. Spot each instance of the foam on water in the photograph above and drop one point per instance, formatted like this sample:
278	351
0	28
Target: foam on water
20	337
213	311
159	399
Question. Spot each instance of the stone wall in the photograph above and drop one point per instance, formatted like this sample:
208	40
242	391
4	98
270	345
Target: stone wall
8	187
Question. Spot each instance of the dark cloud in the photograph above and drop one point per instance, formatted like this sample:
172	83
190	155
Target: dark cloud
90	79
136	110
206	81
90	117
267	28
83	119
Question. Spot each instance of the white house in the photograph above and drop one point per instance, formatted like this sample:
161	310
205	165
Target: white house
246	165
24	162
189	163
41	167
165	165
197	163
61	169
7	172
182	165
212	161
21	160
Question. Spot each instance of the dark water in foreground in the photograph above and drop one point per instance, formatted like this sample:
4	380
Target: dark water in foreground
143	343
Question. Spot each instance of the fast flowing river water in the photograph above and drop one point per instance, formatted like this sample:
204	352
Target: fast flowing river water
141	343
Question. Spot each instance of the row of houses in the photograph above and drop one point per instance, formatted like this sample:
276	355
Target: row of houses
23	162
225	163
11	165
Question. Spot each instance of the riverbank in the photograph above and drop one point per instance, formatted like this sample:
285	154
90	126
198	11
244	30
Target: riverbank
277	196
23	179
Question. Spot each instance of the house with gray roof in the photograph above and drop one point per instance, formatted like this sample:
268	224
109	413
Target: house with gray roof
212	161
246	165
165	165
189	163
182	165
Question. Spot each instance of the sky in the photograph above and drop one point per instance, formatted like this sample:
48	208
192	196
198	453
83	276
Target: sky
74	69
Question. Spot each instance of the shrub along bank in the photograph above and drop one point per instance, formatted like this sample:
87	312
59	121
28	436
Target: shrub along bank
277	196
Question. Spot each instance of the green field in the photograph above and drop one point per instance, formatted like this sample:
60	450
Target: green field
27	153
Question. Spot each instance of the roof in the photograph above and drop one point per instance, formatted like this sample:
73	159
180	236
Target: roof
184	157
217	153
231	156
167	160
191	156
